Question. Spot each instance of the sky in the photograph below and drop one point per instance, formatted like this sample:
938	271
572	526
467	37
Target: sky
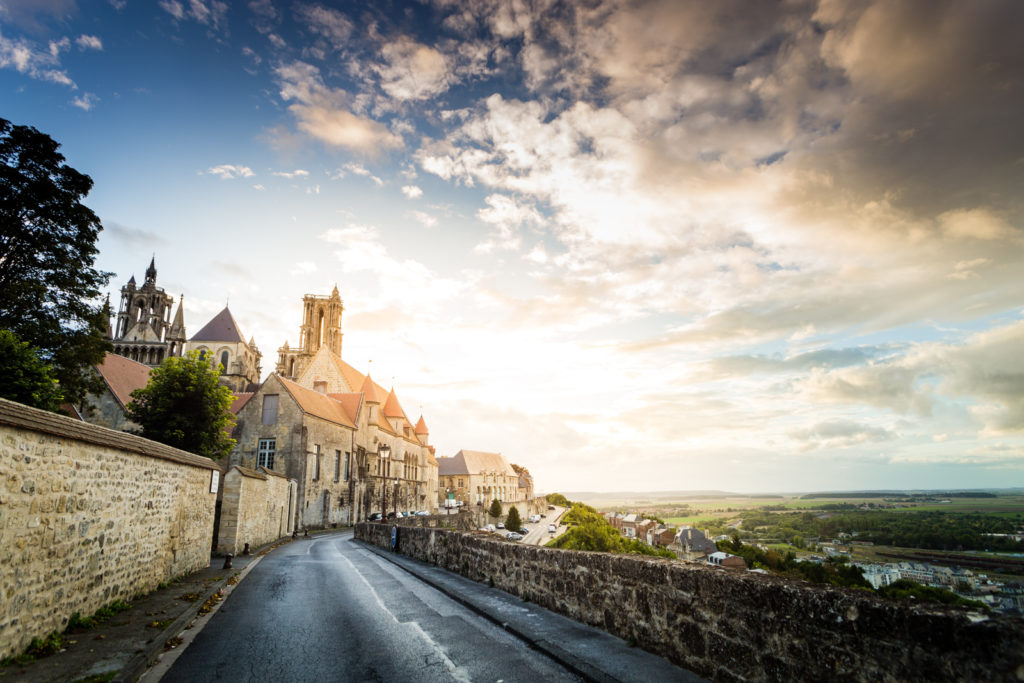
664	245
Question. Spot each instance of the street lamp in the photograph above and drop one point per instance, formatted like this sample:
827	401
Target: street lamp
384	451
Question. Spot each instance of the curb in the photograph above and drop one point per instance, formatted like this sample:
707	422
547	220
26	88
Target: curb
582	669
138	665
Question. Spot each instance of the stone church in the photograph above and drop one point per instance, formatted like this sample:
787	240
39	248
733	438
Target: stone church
344	438
145	333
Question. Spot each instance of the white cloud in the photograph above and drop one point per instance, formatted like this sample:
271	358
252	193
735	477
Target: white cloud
326	22
210	13
85	42
356	169
322	112
412	191
297	173
425	218
28	59
173	7
86	102
229	171
412	71
303	268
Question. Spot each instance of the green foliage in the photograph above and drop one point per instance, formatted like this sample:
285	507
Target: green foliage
24	377
512	521
906	590
495	509
557	499
838	574
185	406
589	530
49	287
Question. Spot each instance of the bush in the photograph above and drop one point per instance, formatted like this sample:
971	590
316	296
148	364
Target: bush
513	521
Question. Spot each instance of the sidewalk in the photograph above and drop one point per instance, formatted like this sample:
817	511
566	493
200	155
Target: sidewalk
590	653
121	647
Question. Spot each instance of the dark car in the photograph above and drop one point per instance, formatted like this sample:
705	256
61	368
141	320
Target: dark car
524	531
375	517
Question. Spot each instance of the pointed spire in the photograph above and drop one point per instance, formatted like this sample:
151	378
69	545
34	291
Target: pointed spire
369	390
109	334
151	271
421	427
391	406
177	330
334	292
131	282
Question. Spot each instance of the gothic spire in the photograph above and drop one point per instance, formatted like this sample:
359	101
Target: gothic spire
151	271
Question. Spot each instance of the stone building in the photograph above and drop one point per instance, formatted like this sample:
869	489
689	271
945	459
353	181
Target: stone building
222	342
477	478
144	331
121	376
321	327
345	440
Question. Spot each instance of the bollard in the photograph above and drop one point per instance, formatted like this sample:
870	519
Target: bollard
295	534
245	550
306	534
227	561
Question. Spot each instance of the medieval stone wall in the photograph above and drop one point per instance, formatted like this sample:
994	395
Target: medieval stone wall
257	508
88	516
729	625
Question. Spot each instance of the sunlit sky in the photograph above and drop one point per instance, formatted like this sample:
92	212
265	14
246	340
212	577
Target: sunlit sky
633	246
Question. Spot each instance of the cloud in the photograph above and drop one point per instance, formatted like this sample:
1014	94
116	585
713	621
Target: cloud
85	42
840	434
412	191
507	216
230	171
412	71
356	169
133	238
425	218
303	268
28	59
297	173
86	102
328	23
323	114
212	13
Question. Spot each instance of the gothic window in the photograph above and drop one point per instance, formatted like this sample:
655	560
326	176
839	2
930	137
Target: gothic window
265	453
202	354
347	457
224	362
316	463
269	409
337	465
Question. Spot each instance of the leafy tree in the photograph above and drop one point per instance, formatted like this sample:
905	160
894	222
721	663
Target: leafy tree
49	287
557	499
512	521
23	376
495	509
184	406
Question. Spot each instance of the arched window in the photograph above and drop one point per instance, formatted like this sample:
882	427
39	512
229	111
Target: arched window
320	330
224	362
202	354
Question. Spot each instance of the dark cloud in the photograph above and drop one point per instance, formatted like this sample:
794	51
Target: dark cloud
133	238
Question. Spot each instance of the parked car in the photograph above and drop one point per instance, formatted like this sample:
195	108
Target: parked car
513	536
552	528
423	513
551	507
375	517
524	531
500	525
490	527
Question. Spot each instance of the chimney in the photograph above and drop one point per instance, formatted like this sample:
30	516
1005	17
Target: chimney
320	385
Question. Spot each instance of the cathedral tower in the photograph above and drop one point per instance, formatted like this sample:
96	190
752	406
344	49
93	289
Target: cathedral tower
144	332
321	326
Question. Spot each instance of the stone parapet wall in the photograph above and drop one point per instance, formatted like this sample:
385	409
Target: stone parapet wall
88	516
257	508
729	625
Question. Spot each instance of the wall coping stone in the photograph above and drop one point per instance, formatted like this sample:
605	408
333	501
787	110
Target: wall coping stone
246	472
34	419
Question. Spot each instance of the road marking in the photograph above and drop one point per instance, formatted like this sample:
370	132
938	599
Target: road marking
456	671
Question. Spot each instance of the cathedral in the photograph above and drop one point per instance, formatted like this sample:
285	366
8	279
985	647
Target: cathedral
145	333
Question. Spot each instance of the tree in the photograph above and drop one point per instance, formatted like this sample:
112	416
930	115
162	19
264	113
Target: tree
185	406
557	499
49	287
512	521
495	509
23	376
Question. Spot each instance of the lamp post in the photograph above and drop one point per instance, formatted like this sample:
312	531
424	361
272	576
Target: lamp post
384	451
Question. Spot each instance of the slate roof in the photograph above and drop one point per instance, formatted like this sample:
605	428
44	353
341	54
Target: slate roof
123	376
222	328
474	462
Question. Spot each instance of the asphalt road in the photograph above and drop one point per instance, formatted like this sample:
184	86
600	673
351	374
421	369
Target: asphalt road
327	609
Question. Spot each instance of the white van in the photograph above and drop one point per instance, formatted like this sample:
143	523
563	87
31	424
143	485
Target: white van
552	528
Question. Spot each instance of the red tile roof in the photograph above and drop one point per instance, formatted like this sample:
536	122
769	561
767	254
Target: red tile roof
123	376
317	404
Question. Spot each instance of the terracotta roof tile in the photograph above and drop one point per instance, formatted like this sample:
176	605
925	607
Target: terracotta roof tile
421	427
240	399
123	376
320	405
351	403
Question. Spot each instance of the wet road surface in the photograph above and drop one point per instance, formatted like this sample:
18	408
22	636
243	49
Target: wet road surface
326	609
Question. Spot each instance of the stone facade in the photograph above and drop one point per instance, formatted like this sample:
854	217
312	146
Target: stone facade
144	331
477	478
321	327
258	507
732	626
88	516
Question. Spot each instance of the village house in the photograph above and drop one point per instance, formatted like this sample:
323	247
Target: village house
478	477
